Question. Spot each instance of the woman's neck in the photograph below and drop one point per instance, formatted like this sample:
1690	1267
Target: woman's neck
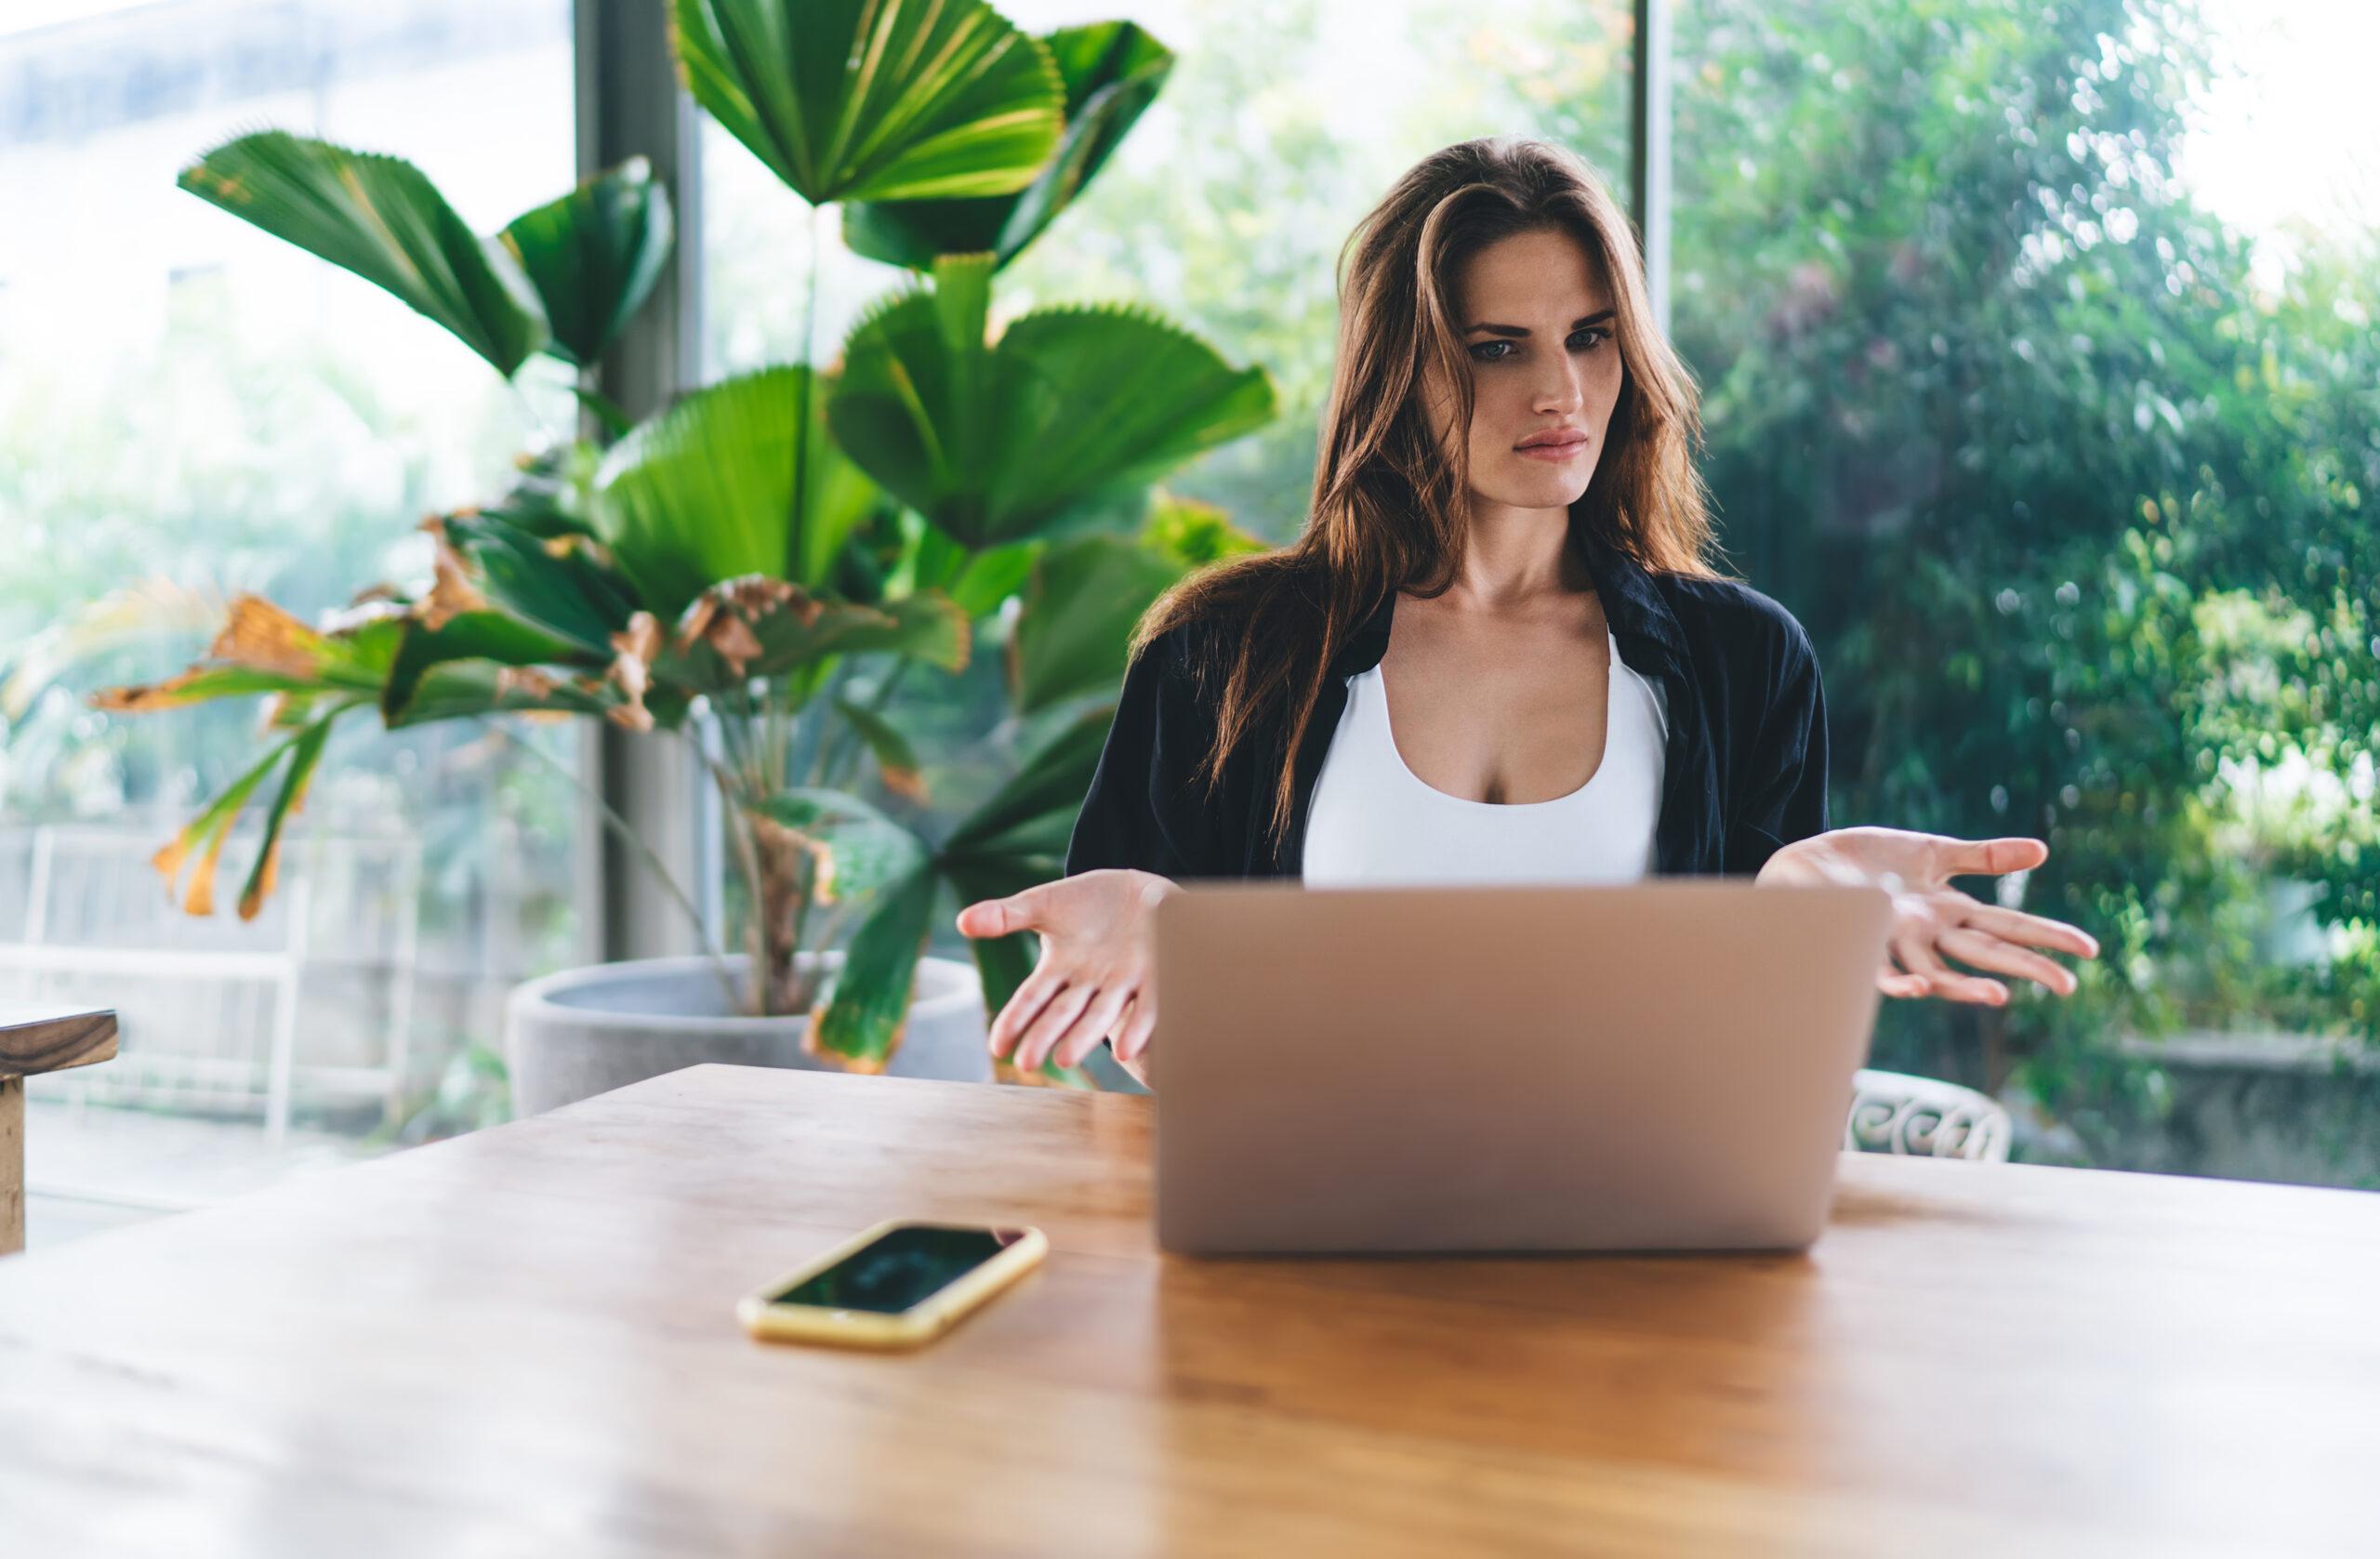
1517	556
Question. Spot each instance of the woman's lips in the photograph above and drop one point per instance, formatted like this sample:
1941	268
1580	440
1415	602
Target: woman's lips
1554	452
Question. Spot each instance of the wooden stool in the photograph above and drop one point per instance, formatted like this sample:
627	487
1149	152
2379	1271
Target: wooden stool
37	1039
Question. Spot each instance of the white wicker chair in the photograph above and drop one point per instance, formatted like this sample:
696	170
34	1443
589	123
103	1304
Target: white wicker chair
1893	1112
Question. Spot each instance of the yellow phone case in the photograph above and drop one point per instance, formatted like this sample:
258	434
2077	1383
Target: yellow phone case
862	1329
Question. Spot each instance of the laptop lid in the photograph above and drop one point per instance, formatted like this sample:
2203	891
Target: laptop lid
1662	1065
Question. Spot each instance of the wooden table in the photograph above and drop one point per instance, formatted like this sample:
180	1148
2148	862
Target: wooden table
519	1343
37	1039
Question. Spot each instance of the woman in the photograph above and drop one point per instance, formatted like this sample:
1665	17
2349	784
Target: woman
1571	693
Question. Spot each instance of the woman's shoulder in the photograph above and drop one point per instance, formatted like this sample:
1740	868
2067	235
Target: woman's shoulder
1734	619
1188	640
1200	629
1188	650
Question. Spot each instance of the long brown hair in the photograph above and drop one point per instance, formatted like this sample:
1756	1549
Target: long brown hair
1389	508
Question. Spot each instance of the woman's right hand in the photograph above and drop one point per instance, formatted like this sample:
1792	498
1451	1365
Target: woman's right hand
1095	977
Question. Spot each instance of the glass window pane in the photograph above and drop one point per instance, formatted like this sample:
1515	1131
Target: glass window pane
2062	453
190	409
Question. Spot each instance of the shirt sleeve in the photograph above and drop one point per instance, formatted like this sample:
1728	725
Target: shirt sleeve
1781	784
1146	808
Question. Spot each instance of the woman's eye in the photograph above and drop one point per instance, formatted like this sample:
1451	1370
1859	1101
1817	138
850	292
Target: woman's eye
1600	336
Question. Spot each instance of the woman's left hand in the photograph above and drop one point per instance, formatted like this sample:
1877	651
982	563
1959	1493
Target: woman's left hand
1930	917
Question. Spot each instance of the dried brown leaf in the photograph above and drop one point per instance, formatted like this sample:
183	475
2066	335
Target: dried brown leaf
526	682
452	592
147	696
263	636
632	672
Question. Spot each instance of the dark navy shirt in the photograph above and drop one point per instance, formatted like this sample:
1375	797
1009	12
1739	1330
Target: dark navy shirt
1744	771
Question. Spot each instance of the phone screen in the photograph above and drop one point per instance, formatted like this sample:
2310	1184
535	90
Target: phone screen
899	1269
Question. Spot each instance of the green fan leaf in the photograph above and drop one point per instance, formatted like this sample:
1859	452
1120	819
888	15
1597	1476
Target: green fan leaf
1015	840
1080	605
262	649
305	754
593	256
550	585
468	689
1002	962
208	832
732	481
1194	534
859	1021
760	628
381	219
1112	71
813	810
199	684
489	636
876	100
927	626
1073	404
553	496
1130	395
896	760
992	575
1023	827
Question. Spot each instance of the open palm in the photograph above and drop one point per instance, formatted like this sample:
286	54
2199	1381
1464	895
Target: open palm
1932	920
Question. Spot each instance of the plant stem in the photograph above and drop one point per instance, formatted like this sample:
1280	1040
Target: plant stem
756	906
777	722
795	538
810	313
821	728
733	711
620	829
835	773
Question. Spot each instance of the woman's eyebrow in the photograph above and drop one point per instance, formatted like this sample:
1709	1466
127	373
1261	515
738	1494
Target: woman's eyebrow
1523	330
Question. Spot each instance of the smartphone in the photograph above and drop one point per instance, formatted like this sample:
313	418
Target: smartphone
897	1285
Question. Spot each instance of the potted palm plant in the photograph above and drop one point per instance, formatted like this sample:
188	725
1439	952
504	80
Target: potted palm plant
735	569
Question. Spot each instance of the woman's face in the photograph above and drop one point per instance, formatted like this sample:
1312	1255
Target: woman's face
1537	325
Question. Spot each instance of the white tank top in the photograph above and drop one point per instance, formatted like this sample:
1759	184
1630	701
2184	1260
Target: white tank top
1373	823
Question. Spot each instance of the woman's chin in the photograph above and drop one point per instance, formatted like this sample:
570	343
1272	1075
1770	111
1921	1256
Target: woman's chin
1556	488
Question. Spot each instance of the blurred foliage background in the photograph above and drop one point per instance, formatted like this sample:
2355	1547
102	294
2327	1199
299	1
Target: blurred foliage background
2073	503
2069	489
2070	483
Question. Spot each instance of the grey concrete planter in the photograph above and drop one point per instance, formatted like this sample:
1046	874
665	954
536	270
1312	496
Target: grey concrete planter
587	1031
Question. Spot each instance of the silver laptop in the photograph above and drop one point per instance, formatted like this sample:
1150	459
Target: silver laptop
1660	1066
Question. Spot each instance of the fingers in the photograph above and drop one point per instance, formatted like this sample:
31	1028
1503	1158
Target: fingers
1139	1024
1991	857
1034	1046
1990	952
1911	945
1018	912
1022	1008
989	918
1097	1023
1892	982
2015	925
